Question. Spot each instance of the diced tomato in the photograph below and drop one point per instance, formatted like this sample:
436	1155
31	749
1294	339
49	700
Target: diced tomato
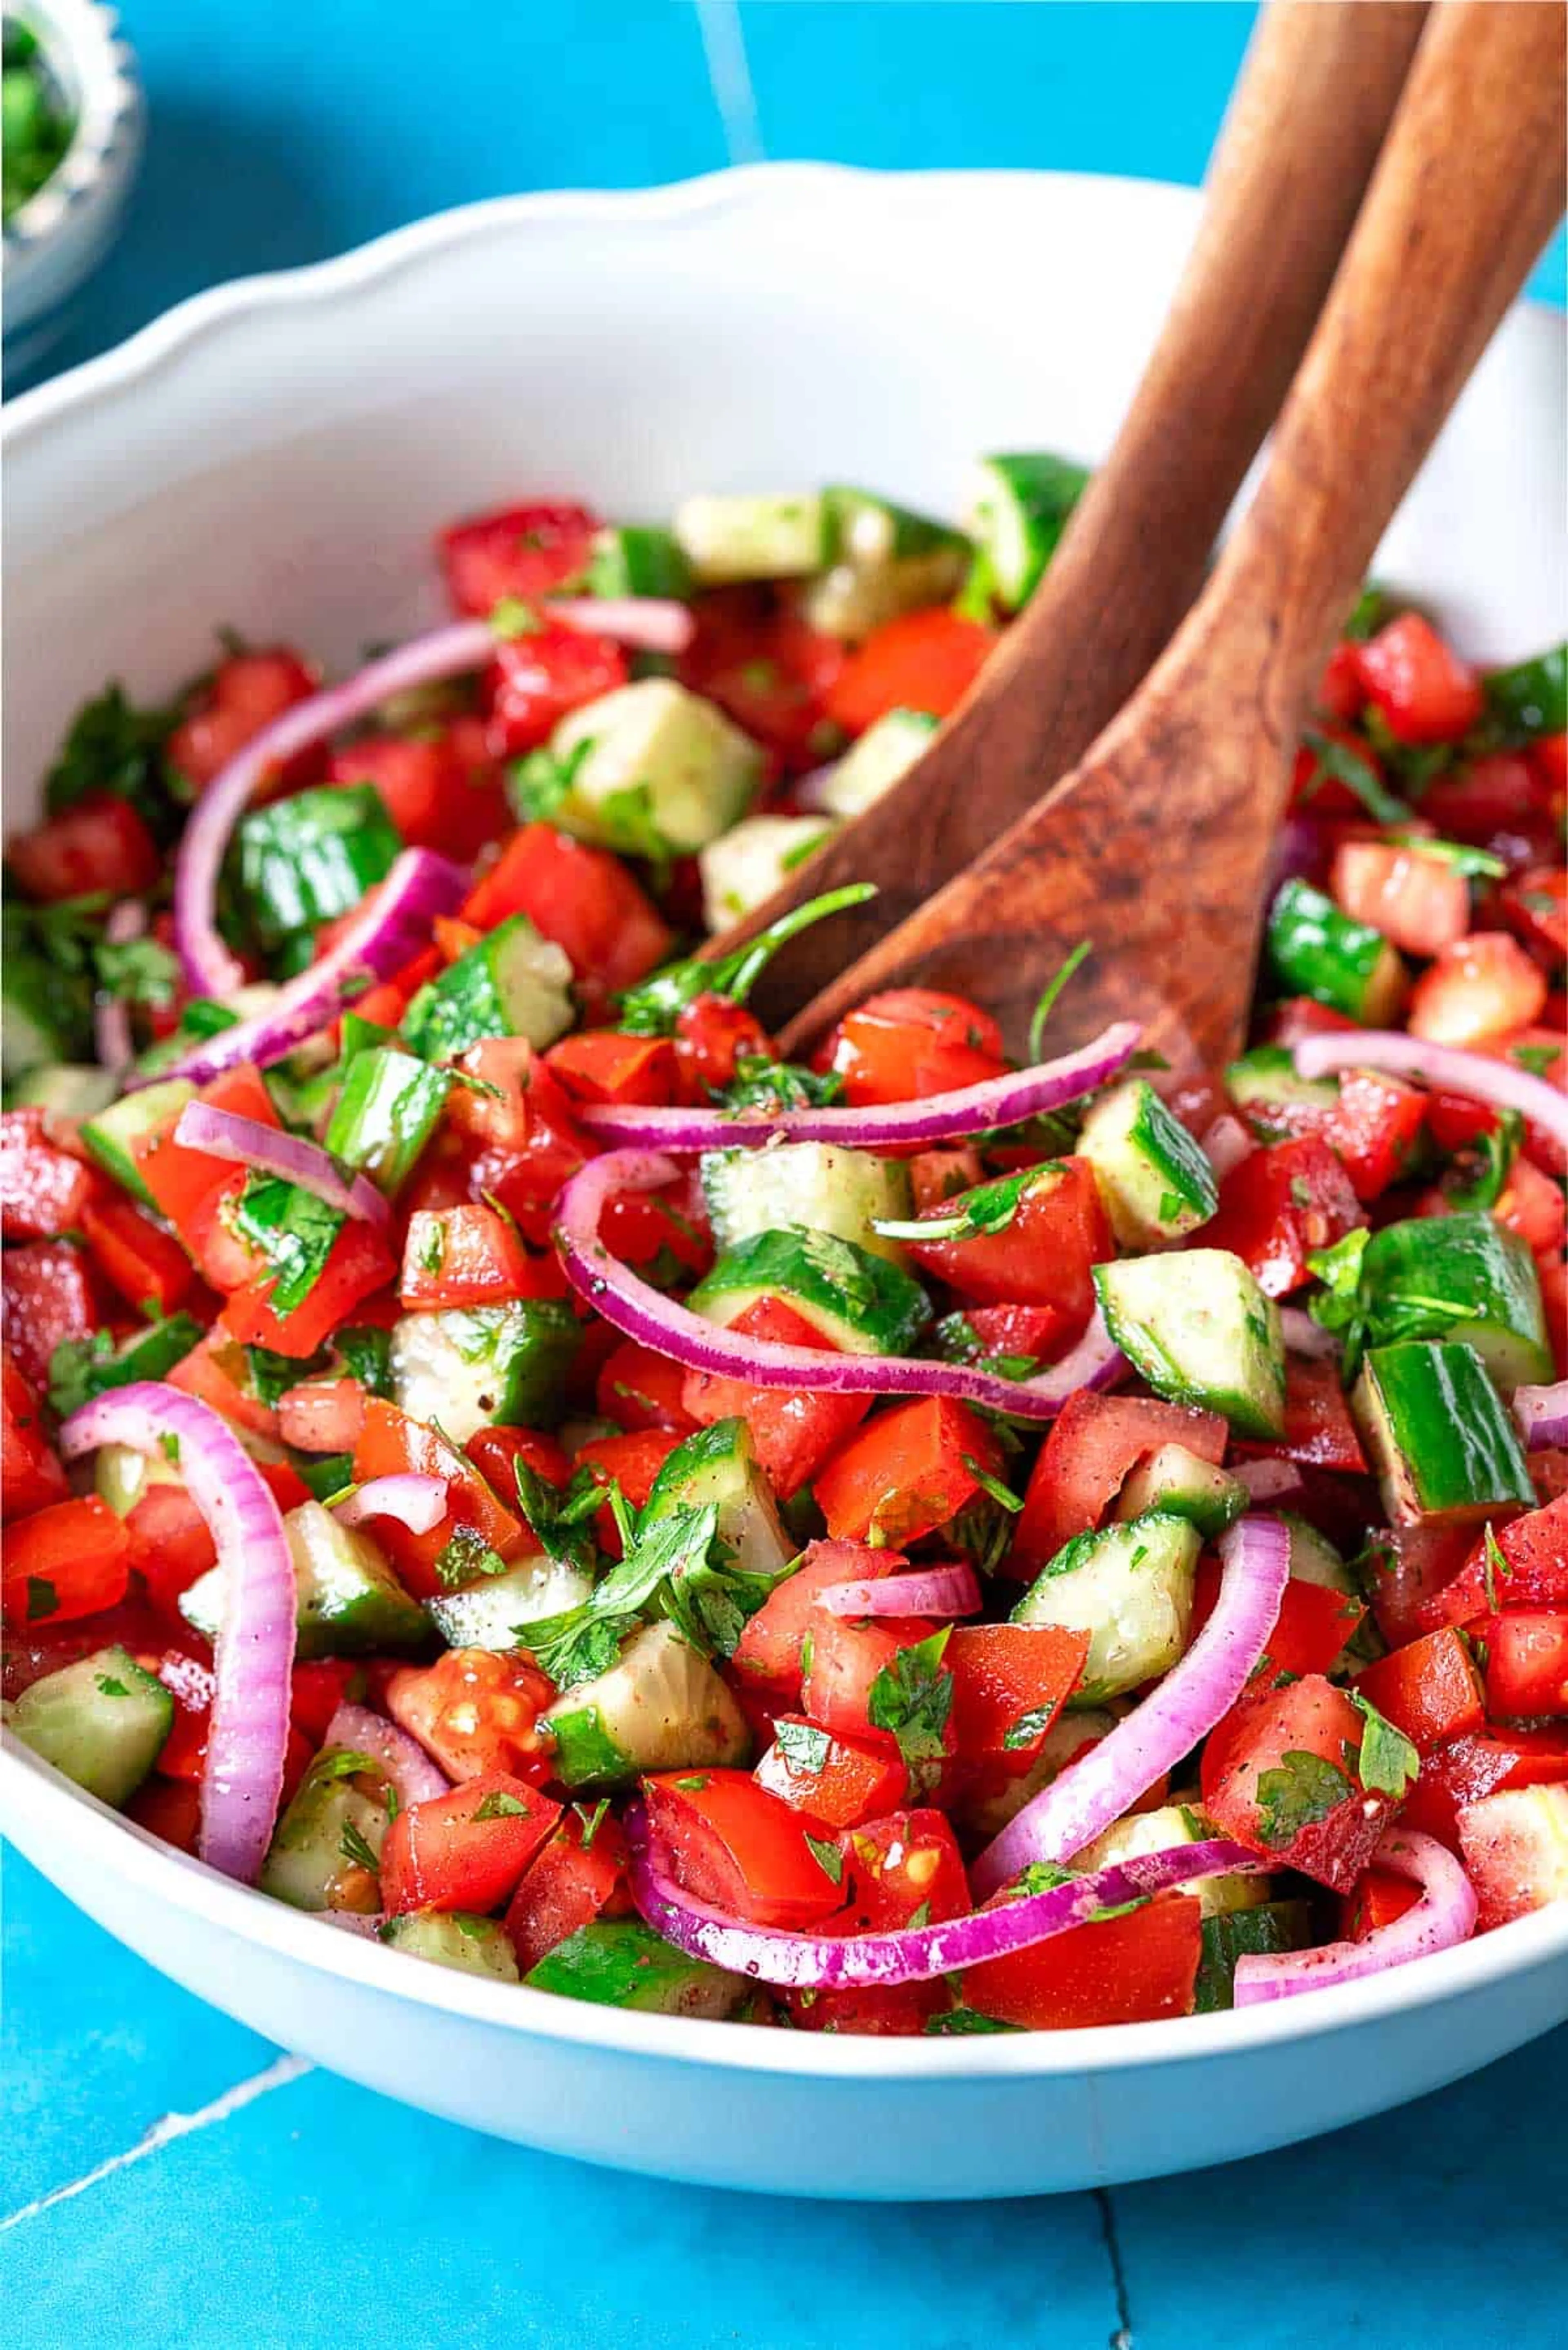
465	1256
1021	1332
1319	1430
1279	1204
1339	688
524	551
922	660
1287	1783
1010	1682
98	843
654	1229
836	1780
712	1035
1420	903
1552	1272
43	1190
843	1659
1372	1124
1310	1632
316	1690
767	670
900	1867
50	1296
1376	1900
1418	682
602	1065
180	1180
171	1544
1501	795
575	1877
495	1452
528	1142
69	1560
1526	1662
322	1415
149	1270
191	1684
1481	989
360	1263
1534	904
638	1389
385	1005
1524	1564
1430	1690
1134	1969
1095	1441
583	898
1043	1257
632	1463
466	1850
1549	759
1477	1765
476	1710
731	1843
536	678
768	1655
247	692
1318	794
911	1043
443	790
215	1373
1533	1206
938	1176
1411	1564
31	1476
170	1808
906	1472
391	1442
793	1430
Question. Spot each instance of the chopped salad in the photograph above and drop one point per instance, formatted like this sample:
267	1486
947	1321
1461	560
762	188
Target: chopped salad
499	1459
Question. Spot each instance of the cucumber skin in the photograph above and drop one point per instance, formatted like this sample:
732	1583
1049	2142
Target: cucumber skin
585	1753
1317	950
109	1757
385	1115
1437	1434
1250	1414
1468	1260
620	1962
468	1945
797	1266
134	1116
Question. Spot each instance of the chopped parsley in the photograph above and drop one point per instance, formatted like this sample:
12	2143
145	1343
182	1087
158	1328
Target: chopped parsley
828	1856
292	1230
500	1805
351	1843
1388	1762
655	1004
1300	1790
1050	993
912	1697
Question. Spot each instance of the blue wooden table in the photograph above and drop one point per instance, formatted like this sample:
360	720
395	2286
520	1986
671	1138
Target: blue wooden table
170	2178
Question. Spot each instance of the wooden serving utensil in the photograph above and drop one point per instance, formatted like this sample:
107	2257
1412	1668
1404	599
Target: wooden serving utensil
1157	847
1303	133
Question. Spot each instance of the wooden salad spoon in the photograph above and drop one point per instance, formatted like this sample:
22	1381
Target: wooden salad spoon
1298	147
1157	847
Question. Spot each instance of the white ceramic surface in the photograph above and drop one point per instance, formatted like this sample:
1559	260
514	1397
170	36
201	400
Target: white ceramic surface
276	456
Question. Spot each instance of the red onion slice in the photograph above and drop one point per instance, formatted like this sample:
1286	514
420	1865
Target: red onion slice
911	1954
416	1501
1445	1914
402	1758
1269	1480
649	624
1107	1780
672	1329
1448	1066
1306	1338
111	1014
225	1134
388	934
1542	1414
242	1778
1000	1101
1226	1143
941	1591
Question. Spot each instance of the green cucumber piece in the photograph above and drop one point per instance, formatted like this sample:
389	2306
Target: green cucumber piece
325	1473
872	531
113	1133
101	1721
1201	1332
496	1611
388	1109
511	984
751	536
1173	1479
819	1185
67	1089
1529	699
860	1303
122	1475
660	1707
1161	1831
474	1946
309	858
638	559
1314	949
485	1366
654	769
1464	1277
1438	1435
1234	1934
1131	1587
1265	1080
883	559
1018	508
337	1813
77	1371
718	1465
873	764
620	1962
745	865
348	1603
1156	1183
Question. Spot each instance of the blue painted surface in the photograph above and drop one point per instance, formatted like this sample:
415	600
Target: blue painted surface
318	2215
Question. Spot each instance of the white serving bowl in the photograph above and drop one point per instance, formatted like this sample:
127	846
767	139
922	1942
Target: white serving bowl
276	456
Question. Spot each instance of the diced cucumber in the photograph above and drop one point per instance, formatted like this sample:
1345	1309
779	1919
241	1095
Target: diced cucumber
101	1721
386	1113
718	1465
1173	1479
496	1611
985	1812
1161	1831
751	536
479	1366
511	984
1265	1080
1314	1559
305	860
145	1355
660	1707
860	1303
1201	1332
1156	1183
872	766
1130	1589
1465	1277
67	1089
1438	1435
638	559
1314	949
1246	1933
819	1185
337	1812
474	1946
112	1134
122	1475
871	532
884	560
324	1474
620	1962
348	1603
654	769
745	865
1018	509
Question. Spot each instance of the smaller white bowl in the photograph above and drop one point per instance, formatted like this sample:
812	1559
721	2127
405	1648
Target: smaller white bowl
53	244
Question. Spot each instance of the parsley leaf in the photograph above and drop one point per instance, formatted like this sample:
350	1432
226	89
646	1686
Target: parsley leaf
1358	774
987	1208
654	1005
1479	1175
803	1746
501	1806
351	1843
1302	1789
1388	1762
138	971
116	748
829	1856
912	1697
466	1558
292	1230
1050	993
558	1519
760	1083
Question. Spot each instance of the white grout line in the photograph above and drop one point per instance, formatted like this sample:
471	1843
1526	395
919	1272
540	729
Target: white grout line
165	2132
730	78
